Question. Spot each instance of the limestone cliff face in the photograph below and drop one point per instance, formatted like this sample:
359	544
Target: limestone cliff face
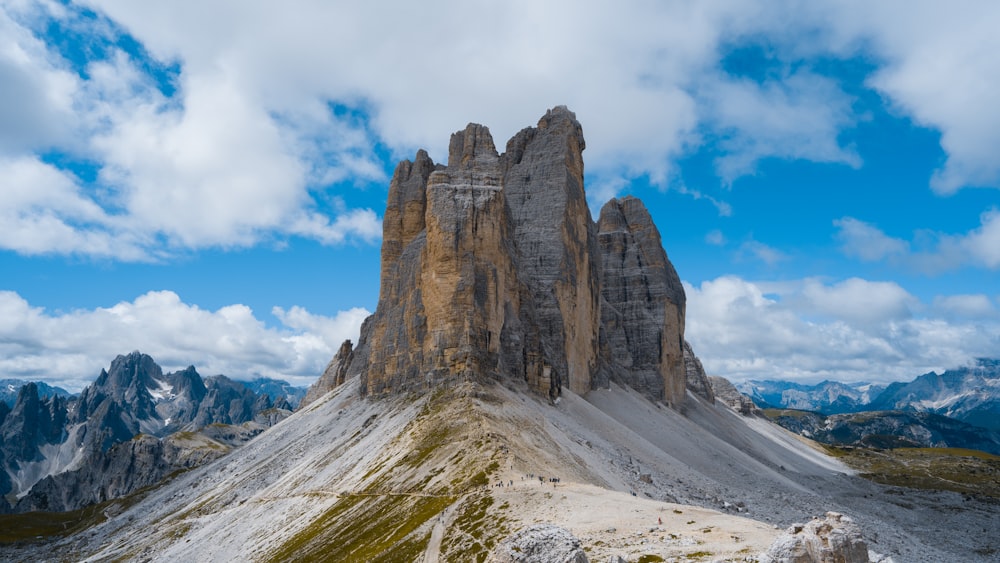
492	267
643	303
555	239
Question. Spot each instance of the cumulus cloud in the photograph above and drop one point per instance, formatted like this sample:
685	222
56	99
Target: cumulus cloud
233	121
70	348
36	101
251	128
936	252
971	306
812	330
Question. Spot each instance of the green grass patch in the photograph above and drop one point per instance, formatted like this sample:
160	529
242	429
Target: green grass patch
42	525
951	469
364	528
37	526
476	530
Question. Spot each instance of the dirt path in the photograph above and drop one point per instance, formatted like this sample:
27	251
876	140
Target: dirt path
443	521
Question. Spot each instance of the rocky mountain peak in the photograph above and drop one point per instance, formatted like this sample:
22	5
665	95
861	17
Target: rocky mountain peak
493	268
471	147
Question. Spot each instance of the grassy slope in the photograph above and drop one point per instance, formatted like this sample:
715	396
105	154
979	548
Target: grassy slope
951	469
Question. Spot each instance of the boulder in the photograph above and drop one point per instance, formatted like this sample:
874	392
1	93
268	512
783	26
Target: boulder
834	538
540	543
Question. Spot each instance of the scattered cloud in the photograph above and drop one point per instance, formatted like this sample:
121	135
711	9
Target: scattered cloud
798	116
866	242
852	330
760	251
70	348
715	238
931	252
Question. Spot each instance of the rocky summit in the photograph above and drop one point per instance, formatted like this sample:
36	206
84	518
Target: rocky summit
492	267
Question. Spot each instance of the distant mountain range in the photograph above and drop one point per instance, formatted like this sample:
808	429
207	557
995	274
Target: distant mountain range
277	389
970	394
9	388
130	428
888	429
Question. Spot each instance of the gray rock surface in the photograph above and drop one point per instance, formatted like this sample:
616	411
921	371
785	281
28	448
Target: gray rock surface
727	393
541	543
643	303
697	380
832	539
333	375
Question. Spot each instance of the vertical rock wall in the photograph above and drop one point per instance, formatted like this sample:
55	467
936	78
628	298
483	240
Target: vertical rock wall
643	303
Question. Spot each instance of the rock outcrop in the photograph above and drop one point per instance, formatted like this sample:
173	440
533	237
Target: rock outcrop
832	539
541	543
695	377
333	375
493	268
725	391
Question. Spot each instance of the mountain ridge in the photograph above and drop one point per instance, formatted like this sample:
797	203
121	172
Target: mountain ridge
970	394
51	447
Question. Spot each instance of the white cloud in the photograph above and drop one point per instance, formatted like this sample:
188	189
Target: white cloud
760	251
234	153
858	301
37	96
43	210
936	64
865	241
70	348
970	306
937	252
248	143
744	330
796	117
715	238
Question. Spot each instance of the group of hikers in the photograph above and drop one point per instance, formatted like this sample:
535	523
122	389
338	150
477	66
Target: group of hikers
541	481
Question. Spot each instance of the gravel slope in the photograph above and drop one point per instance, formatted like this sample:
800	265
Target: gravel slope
740	479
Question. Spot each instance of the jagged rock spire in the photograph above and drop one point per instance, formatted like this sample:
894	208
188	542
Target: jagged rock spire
492	267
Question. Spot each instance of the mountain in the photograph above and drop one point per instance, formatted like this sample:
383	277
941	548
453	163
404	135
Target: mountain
827	397
970	394
49	446
888	429
9	389
522	387
278	390
492	268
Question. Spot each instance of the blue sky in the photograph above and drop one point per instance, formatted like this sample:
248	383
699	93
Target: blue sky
204	181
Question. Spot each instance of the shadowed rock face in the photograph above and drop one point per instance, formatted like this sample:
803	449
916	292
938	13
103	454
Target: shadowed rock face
643	302
492	267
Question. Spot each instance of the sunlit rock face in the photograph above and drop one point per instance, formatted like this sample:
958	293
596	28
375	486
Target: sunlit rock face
492	267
